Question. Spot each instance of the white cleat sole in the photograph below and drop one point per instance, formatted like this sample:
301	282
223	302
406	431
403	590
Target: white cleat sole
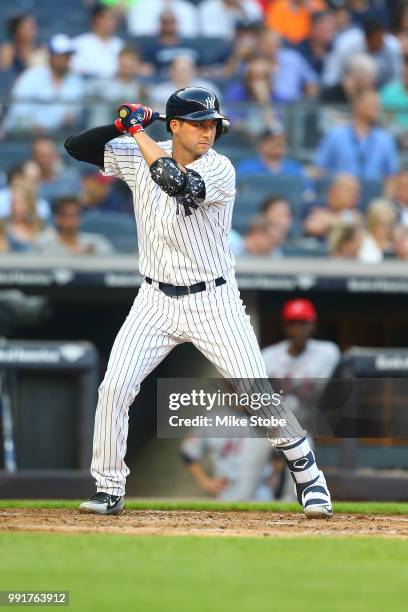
87	508
318	512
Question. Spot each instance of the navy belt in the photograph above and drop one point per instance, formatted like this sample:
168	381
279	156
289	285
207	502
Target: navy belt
177	290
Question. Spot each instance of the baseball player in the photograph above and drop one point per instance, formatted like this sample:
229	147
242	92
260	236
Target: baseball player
183	193
226	455
301	363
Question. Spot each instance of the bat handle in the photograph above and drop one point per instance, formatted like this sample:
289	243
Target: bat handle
123	111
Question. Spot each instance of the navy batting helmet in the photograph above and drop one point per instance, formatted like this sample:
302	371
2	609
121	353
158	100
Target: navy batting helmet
196	104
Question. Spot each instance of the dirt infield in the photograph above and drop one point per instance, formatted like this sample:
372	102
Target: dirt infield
204	523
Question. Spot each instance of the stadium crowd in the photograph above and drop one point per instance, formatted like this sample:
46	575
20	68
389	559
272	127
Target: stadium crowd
316	90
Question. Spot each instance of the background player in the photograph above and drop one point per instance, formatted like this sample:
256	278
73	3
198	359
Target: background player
183	195
225	455
302	364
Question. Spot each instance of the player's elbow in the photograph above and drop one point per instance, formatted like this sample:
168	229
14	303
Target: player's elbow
71	148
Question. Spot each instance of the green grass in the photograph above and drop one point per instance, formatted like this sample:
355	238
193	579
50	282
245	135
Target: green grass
348	507
105	572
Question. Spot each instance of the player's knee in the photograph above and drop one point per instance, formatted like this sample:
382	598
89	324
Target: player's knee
117	391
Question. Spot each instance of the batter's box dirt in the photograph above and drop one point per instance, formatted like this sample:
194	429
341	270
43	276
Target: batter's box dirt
204	523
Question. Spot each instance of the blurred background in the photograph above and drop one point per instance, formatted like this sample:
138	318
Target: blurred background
317	94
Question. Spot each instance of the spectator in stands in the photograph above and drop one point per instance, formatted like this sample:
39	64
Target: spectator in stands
267	233
24	224
316	47
384	48
144	17
233	477
98	194
243	49
253	93
360	74
46	98
293	18
378	236
291	75
25	175
65	238
344	240
361	10
362	147
257	240
220	18
22	51
96	52
341	14
4	241
279	222
110	93
160	51
56	179
271	158
342	200
400	242
394	97
182	73
400	196
399	24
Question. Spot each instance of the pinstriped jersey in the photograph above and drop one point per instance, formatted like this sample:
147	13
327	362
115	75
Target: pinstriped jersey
175	246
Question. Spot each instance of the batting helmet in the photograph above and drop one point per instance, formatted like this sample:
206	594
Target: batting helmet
196	104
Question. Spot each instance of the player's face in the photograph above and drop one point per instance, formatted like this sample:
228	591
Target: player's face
298	332
197	137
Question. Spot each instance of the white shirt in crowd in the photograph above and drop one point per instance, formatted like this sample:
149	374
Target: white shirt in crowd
219	20
38	102
317	361
143	17
369	251
43	207
352	42
95	56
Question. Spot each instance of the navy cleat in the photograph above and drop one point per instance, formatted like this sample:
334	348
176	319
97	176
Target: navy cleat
315	498
103	503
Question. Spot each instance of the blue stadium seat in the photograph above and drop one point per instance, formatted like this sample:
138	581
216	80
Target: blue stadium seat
262	186
13	153
235	153
119	229
246	206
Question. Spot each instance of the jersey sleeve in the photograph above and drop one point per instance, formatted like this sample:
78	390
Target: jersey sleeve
219	177
122	159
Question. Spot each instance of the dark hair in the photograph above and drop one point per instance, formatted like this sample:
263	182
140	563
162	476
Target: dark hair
319	15
371	25
63	201
129	49
14	22
98	9
13	172
272	201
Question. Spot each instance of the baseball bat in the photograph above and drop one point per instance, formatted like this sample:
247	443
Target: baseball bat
123	112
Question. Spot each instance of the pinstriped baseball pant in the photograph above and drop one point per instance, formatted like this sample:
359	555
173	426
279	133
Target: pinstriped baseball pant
216	323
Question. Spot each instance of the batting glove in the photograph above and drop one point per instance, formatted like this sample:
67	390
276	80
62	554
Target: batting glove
133	118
